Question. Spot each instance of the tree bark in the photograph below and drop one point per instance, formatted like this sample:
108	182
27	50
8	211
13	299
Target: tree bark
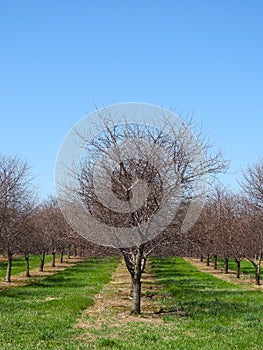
53	264
139	266
136	295
61	255
82	251
27	265
42	262
238	262
135	261
215	262
226	261
75	251
9	266
208	260
258	268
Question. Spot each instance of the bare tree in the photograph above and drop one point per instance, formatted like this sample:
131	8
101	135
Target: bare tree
41	238
252	224
17	202
252	186
142	181
237	239
27	241
201	237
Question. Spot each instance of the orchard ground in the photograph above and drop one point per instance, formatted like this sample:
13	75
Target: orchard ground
86	306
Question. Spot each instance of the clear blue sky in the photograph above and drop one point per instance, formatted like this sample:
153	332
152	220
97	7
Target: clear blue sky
60	59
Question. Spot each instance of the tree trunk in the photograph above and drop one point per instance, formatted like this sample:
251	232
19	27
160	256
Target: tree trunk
75	251
42	262
139	266
9	266
136	295
27	265
258	268
201	258
226	265
53	264
135	261
238	268
208	260
69	251
61	255
81	251
215	262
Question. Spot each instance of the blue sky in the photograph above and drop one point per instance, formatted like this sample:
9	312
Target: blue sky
60	59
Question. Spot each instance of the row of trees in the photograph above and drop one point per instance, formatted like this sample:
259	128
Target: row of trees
231	225
29	227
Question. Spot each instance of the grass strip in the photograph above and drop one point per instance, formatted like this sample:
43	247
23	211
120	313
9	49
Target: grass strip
41	315
199	312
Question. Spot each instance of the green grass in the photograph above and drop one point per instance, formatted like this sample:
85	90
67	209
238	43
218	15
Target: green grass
19	265
201	312
41	315
216	314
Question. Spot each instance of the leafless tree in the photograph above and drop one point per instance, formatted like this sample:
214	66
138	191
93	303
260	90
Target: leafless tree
201	237
17	202
252	186
27	244
185	167
252	226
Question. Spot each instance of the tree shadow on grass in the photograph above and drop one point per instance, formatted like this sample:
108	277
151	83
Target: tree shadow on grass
80	276
202	295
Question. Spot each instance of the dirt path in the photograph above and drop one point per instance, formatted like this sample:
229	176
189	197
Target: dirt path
230	277
113	304
20	279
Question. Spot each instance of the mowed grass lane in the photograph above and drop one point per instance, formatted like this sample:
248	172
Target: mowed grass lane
215	314
41	315
199	312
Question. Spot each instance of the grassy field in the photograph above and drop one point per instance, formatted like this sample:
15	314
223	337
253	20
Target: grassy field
19	264
199	312
214	314
41	315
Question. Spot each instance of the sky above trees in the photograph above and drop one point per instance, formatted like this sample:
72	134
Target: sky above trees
62	59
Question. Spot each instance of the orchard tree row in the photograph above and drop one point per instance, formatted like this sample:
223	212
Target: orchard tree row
231	225
29	227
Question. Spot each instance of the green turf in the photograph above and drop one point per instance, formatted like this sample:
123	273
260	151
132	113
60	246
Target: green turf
201	313
41	315
19	265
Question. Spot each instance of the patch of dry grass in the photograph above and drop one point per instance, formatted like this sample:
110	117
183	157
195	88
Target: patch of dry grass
113	305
